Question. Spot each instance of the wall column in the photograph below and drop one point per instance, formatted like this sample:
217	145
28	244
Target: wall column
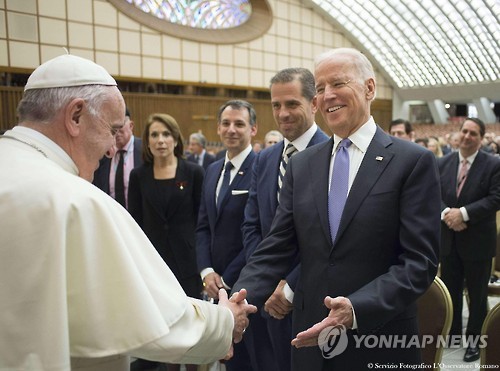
484	110
438	111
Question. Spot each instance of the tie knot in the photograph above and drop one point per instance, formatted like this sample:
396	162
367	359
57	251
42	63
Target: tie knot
465	162
345	143
290	149
229	166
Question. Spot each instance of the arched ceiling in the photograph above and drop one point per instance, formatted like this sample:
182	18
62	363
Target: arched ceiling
428	49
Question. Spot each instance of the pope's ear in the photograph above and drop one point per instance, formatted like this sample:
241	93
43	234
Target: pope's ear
73	116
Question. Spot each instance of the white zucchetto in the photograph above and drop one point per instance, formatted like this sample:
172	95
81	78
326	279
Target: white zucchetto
68	70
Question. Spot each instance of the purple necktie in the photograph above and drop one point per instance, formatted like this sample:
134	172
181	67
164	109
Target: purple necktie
338	187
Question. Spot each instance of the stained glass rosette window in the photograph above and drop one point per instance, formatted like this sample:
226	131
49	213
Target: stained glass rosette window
202	14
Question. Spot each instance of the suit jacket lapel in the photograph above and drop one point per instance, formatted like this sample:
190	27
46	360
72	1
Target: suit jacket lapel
319	177
137	152
238	178
212	190
452	176
376	159
474	175
271	173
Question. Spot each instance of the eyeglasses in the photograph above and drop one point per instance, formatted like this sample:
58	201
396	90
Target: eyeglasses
113	128
332	87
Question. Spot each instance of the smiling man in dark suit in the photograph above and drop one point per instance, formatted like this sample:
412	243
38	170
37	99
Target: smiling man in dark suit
294	106
219	243
363	265
470	191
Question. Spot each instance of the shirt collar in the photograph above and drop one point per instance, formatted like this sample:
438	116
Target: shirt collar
130	144
469	159
361	138
301	142
237	160
49	147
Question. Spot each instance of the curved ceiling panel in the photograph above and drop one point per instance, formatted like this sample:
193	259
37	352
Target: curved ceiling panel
427	42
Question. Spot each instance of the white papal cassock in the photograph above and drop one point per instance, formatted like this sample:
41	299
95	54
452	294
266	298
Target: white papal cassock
79	280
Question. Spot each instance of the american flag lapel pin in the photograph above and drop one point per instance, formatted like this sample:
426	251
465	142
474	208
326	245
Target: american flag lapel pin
379	158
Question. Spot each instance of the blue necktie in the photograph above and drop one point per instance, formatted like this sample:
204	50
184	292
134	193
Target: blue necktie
339	187
225	183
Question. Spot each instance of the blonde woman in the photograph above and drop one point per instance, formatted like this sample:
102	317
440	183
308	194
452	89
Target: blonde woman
434	146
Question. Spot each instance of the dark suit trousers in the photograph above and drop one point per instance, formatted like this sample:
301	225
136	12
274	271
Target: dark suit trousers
476	274
240	360
259	346
280	333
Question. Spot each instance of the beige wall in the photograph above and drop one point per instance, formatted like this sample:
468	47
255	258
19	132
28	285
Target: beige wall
33	31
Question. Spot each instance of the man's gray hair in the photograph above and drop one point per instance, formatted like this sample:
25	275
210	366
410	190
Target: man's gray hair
42	105
200	138
360	62
274	133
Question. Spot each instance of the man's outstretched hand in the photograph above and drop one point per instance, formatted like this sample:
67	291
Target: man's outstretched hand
340	314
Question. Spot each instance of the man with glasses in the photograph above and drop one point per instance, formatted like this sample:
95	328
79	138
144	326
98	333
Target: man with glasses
81	285
113	174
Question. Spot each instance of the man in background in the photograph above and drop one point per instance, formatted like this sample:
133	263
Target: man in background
197	147
272	137
452	143
402	129
294	105
113	174
470	191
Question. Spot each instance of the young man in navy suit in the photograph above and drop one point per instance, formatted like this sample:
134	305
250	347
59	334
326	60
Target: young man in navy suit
470	191
366	260
219	245
294	106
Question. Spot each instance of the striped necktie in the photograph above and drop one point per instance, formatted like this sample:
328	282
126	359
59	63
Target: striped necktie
462	176
289	152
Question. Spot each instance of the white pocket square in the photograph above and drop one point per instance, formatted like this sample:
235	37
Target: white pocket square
236	192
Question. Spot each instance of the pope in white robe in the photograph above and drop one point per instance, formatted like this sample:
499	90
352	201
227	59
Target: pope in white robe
80	283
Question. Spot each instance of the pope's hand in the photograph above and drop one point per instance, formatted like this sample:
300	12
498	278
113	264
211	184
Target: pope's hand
240	309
